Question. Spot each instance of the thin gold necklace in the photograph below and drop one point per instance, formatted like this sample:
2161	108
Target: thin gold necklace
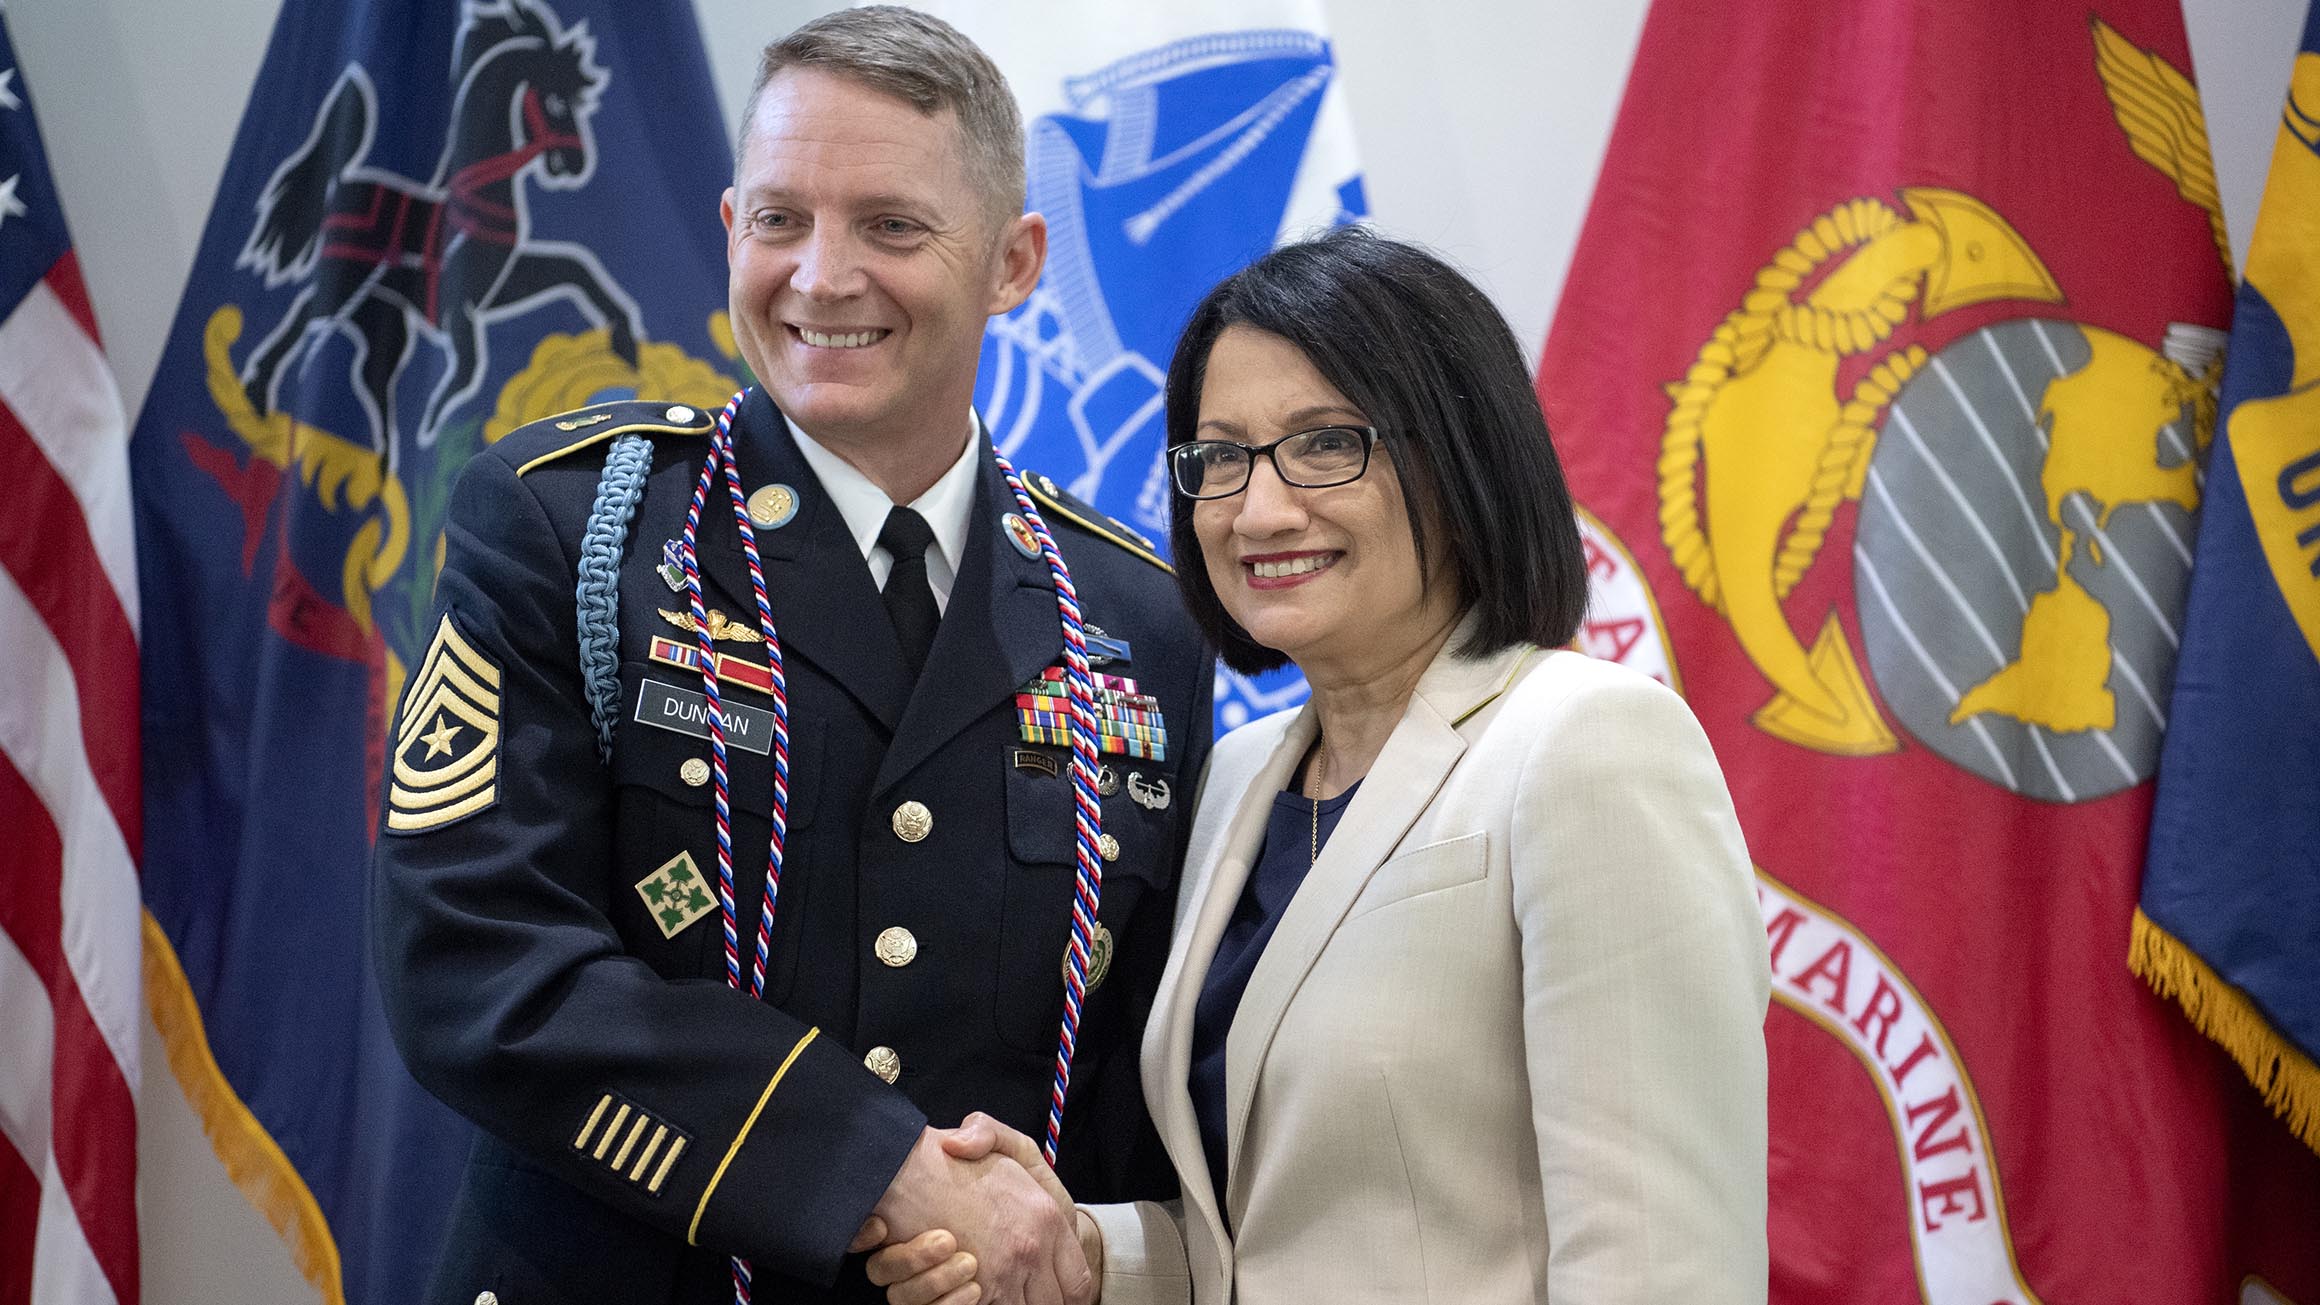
1320	766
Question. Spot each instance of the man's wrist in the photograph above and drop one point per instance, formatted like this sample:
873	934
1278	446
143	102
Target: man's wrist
905	1204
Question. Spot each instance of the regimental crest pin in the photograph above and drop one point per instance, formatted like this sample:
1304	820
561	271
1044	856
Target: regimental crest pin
675	894
446	765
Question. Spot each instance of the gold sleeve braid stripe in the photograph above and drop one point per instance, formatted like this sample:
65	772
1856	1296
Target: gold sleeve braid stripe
625	1126
693	1231
446	760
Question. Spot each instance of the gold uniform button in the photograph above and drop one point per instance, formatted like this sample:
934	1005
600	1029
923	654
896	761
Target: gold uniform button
913	822
896	947
1108	846
680	413
487	1298
694	772
884	1063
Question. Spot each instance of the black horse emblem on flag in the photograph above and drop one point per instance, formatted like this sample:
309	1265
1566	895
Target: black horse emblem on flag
386	259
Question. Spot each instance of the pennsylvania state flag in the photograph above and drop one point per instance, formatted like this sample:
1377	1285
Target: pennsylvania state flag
439	221
2231	894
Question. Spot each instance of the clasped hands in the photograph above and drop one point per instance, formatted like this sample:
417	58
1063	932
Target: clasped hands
975	1217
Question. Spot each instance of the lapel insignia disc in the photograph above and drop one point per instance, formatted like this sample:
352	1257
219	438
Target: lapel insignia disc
721	630
446	765
772	506
1150	794
675	894
1019	534
1099	958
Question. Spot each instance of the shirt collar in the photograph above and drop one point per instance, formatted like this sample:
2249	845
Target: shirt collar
947	505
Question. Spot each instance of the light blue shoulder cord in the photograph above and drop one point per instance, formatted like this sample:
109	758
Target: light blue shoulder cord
601	548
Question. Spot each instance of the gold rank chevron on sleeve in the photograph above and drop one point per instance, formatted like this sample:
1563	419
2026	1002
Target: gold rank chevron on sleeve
446	763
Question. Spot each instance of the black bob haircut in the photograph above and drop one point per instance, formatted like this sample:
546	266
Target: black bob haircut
1427	357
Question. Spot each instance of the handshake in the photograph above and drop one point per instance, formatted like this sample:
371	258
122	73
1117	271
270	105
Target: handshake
975	1217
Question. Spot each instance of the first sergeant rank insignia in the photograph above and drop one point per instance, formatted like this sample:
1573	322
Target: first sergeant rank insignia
446	764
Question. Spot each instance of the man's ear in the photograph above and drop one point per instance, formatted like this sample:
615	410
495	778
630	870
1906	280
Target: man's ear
1022	255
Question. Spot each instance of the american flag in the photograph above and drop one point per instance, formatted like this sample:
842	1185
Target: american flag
70	970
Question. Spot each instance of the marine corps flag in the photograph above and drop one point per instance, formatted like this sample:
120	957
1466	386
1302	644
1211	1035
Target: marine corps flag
2231	898
440	220
1887	370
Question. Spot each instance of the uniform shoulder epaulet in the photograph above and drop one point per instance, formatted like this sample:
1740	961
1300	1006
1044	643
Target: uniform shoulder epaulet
600	423
1052	499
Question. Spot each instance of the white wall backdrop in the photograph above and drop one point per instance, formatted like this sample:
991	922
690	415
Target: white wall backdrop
1480	124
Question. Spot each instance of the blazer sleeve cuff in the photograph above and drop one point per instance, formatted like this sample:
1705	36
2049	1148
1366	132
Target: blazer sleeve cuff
1144	1260
815	1155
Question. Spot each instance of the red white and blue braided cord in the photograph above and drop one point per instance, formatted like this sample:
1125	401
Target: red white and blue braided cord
1087	809
721	459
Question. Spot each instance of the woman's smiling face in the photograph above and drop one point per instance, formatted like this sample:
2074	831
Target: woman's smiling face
1319	574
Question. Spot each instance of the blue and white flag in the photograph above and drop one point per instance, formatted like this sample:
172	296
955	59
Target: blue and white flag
2231	894
440	221
1168	146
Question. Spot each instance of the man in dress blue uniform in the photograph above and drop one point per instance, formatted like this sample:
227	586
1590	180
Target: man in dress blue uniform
550	936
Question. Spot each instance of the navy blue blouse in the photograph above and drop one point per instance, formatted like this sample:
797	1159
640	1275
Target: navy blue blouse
1281	864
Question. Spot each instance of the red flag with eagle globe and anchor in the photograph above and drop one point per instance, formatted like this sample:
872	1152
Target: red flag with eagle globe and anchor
1884	375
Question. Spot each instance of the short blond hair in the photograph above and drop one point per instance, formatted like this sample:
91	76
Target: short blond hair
925	62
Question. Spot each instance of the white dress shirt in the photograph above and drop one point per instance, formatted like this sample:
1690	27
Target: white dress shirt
947	505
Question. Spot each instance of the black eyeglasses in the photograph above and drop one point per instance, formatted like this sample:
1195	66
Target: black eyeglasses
1309	459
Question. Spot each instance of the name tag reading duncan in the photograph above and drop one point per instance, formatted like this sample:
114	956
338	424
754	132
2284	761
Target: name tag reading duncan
687	712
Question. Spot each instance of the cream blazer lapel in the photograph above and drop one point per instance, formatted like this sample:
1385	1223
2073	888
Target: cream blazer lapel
1235	798
1409	771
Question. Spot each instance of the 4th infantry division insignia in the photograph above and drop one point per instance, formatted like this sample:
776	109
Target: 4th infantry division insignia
447	742
675	894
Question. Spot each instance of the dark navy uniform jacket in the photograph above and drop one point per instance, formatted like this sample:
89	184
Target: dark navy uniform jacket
641	1121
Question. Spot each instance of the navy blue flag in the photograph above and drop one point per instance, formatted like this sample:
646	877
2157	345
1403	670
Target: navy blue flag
1168	147
438	222
2231	893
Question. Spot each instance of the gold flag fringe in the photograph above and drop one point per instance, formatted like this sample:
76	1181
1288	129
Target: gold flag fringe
252	1158
2287	1077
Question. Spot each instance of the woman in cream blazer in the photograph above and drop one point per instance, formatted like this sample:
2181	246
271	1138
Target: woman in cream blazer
1498	1033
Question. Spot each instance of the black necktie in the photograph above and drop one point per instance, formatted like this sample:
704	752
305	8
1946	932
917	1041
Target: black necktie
909	602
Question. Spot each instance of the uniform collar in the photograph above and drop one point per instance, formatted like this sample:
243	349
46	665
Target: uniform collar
947	505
